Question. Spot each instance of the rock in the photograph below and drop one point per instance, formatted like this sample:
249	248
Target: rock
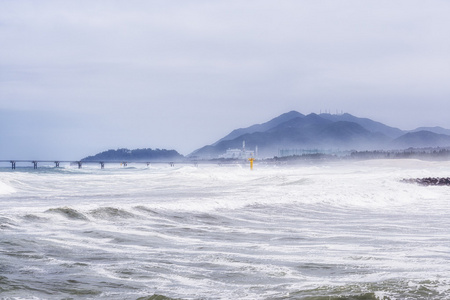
429	180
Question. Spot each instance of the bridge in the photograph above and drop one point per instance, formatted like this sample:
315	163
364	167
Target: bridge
80	163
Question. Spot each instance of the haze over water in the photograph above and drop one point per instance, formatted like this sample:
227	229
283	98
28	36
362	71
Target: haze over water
324	231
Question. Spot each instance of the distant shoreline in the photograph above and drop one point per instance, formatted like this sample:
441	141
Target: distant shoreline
425	154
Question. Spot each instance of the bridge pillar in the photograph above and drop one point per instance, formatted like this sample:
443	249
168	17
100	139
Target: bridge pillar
102	165
34	164
13	164
79	164
56	164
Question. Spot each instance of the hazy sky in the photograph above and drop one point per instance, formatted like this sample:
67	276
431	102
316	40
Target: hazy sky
80	77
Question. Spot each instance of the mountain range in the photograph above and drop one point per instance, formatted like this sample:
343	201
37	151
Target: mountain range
339	132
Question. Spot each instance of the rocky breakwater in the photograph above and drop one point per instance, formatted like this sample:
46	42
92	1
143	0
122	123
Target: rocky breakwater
429	180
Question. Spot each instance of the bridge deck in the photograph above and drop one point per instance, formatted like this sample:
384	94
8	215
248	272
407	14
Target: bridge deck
80	163
102	163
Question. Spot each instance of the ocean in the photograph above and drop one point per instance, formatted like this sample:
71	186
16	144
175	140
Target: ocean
329	230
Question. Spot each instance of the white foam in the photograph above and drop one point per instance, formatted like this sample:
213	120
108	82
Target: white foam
6	189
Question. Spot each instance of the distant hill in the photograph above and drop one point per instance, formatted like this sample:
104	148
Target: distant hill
436	129
421	139
294	130
138	155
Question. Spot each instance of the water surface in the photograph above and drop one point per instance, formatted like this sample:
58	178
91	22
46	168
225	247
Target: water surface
327	231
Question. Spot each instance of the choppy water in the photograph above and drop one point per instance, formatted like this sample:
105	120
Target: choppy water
329	231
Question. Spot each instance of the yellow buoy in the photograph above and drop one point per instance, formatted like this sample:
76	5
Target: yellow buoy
251	163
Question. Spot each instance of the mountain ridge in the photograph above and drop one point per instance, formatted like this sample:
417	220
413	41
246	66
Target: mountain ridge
261	127
322	131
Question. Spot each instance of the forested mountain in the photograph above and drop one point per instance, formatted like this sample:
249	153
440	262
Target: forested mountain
141	155
323	131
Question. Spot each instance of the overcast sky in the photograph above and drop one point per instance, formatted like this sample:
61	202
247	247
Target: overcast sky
80	77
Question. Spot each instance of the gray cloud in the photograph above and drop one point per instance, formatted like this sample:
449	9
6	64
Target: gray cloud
181	74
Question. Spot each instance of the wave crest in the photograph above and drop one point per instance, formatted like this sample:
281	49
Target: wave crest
68	212
111	212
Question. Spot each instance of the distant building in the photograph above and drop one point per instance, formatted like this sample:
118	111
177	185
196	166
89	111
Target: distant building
239	153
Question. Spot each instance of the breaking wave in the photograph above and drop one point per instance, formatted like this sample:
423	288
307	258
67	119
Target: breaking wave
69	213
109	213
